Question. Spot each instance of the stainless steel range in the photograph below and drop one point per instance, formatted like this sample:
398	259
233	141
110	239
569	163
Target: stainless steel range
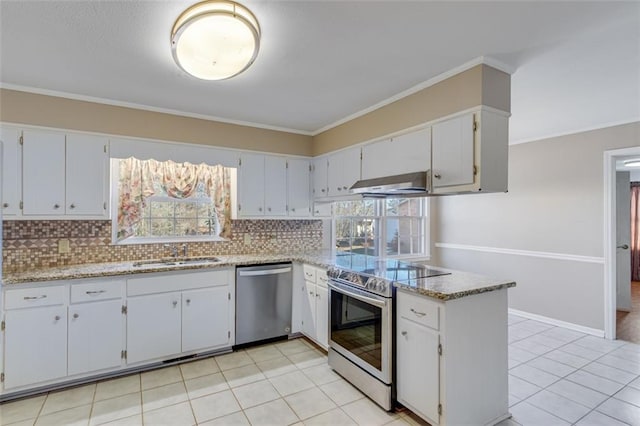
361	320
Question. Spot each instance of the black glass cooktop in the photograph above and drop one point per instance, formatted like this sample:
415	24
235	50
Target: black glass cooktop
389	269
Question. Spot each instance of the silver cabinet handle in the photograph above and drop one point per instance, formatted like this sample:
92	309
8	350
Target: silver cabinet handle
437	176
420	314
5	205
624	247
72	206
76	315
44	296
175	303
404	333
56	206
95	291
57	318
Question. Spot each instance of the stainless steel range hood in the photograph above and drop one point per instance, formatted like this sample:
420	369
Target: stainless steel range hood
417	184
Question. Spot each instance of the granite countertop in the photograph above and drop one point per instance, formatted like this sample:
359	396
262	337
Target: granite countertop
454	286
321	258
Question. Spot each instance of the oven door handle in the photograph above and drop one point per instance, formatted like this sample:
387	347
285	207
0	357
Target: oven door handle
362	298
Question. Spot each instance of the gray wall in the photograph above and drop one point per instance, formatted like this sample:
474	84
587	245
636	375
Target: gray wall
546	233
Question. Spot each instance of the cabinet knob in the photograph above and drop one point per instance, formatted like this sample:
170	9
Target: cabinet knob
72	206
76	315
269	208
293	209
339	189
437	176
56	206
188	301
259	209
5	205
322	189
318	211
404	333
317	295
344	187
175	303
57	318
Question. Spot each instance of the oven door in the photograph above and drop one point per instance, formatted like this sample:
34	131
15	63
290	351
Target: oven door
360	328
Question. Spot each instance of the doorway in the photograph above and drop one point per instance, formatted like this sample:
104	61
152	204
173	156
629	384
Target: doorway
622	302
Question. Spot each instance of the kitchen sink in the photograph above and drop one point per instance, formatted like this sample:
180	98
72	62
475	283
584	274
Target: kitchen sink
177	262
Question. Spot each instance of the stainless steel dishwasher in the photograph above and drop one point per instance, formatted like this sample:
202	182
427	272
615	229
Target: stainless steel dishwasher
263	302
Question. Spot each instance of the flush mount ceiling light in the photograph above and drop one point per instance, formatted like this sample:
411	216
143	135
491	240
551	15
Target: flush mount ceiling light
632	163
215	40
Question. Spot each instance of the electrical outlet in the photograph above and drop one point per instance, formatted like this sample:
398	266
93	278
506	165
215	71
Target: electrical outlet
247	238
63	246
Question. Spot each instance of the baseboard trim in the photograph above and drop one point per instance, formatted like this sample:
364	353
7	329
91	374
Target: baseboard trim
530	253
559	323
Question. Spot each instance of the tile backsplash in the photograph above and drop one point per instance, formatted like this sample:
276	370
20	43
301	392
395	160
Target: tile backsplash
34	244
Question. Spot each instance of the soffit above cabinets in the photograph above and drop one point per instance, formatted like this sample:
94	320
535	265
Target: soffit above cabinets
321	62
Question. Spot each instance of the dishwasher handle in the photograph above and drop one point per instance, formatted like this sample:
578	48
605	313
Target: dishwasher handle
259	272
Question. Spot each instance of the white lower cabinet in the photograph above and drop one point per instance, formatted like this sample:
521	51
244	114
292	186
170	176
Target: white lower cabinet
451	358
205	318
314	311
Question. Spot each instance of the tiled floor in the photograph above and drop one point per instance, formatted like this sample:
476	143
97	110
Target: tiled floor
556	377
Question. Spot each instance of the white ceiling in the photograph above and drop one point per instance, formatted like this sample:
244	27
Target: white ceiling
576	65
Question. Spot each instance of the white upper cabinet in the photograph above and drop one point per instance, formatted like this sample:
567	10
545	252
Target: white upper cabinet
343	171
410	152
251	185
298	187
275	186
453	151
320	184
64	175
11	176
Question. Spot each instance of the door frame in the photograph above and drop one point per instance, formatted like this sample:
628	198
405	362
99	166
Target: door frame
610	158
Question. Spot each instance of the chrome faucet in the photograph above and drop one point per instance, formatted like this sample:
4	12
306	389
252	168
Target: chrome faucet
185	250
174	250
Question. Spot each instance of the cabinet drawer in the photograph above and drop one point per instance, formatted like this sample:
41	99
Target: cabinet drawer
419	310
321	277
165	282
39	296
309	273
100	290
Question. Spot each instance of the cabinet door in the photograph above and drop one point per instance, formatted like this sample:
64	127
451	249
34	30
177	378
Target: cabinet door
298	188
343	171
43	173
251	184
86	175
35	345
298	299
452	162
309	310
95	336
205	318
322	316
418	368
406	153
11	181
153	326
320	185
275	186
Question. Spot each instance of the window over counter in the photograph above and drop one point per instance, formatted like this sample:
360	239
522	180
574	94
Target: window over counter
158	201
395	227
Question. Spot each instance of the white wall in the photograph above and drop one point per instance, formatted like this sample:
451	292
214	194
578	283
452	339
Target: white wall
635	175
546	233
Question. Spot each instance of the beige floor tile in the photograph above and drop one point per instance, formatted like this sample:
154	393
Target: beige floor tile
294	346
68	398
233	360
263	353
206	385
213	406
274	413
29	422
400	421
276	367
235	419
24	409
127	421
412	419
309	403
163	396
72	417
341	392
116	408
117	387
321	374
366	412
307	359
290	383
335	417
255	394
160	377
199	368
243	375
173	415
